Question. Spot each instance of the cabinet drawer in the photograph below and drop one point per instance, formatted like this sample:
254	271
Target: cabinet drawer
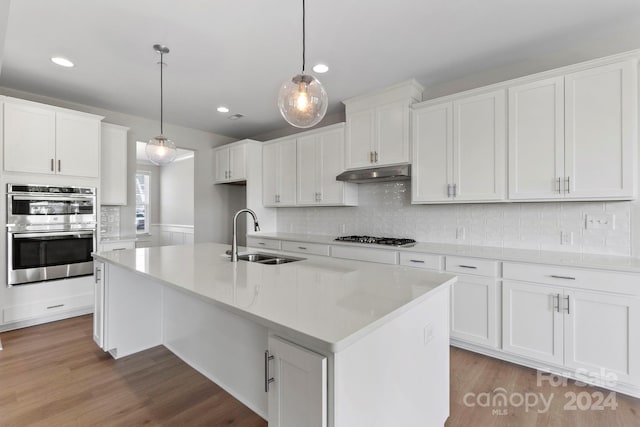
257	242
308	248
44	308
608	281
420	260
479	267
365	254
117	246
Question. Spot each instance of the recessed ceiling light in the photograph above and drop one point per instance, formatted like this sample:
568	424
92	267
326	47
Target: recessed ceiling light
63	62
235	117
320	68
223	109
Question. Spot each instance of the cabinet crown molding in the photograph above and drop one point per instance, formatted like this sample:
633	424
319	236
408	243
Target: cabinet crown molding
409	90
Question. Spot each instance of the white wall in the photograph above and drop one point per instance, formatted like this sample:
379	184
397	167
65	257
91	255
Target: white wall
385	210
176	192
211	213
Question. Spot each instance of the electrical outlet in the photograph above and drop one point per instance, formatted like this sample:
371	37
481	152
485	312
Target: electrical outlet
428	333
460	233
566	237
602	221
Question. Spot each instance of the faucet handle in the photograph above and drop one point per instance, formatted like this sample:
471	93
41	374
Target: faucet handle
256	226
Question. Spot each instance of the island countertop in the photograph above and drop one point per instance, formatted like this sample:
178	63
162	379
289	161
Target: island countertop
331	301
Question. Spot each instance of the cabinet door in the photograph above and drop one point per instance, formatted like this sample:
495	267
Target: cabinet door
479	133
308	170
602	335
287	172
29	139
532	321
270	153
432	140
473	310
331	164
359	138
601	116
221	159
113	165
392	134
238	163
298	395
536	140
98	306
77	145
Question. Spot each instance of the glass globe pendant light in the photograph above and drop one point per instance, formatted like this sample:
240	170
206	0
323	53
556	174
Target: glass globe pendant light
161	150
302	99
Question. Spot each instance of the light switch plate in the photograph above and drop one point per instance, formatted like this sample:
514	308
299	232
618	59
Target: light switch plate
602	221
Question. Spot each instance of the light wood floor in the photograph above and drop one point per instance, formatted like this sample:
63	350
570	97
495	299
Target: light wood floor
54	375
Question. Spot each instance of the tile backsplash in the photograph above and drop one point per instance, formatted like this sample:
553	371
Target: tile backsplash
385	209
109	222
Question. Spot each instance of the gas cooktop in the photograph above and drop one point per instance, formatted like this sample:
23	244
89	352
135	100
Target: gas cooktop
389	241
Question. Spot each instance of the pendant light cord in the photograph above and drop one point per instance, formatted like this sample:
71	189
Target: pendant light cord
161	103
303	36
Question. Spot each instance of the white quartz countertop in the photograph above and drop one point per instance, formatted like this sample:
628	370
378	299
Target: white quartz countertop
330	301
604	262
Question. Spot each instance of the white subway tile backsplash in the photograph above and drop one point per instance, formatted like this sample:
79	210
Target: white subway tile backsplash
385	209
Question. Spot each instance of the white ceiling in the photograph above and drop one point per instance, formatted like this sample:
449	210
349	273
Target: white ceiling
237	53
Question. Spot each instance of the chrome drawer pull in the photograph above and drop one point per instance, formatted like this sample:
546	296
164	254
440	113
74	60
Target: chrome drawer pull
261	243
468	266
268	379
562	277
55	306
302	247
417	261
568	305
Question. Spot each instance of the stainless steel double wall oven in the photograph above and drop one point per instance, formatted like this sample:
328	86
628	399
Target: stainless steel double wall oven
51	232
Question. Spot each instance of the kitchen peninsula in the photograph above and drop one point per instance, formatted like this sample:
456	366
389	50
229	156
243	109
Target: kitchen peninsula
332	342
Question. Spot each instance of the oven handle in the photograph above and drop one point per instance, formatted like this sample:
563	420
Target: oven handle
52	234
54	198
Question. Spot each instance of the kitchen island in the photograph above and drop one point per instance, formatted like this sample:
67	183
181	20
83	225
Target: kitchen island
332	342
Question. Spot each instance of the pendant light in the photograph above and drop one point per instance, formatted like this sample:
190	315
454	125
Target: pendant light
302	99
161	150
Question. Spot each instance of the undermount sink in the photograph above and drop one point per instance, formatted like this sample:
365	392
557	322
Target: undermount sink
268	259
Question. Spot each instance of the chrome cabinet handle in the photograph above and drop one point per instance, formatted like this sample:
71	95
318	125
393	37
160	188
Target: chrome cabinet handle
559	188
304	248
468	266
449	190
568	184
417	261
59	165
229	174
262	243
568	304
98	271
55	306
455	190
370	156
268	379
376	156
52	165
556	302
562	277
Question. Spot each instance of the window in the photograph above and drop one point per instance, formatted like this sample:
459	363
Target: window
142	202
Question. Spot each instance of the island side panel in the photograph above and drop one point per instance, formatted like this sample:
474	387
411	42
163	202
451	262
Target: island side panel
133	314
224	347
399	374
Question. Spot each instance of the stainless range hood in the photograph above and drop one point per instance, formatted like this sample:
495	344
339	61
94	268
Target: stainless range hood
382	174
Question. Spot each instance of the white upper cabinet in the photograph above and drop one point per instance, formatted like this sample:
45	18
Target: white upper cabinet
113	165
231	162
459	150
48	140
320	160
279	173
574	136
377	129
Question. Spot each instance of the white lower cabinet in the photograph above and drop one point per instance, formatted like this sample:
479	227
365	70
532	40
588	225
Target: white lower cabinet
594	334
99	303
474	301
296	381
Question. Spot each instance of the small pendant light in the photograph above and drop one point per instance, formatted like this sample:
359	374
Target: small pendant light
161	150
302	99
